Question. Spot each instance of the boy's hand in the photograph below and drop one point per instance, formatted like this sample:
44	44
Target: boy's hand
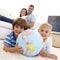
18	49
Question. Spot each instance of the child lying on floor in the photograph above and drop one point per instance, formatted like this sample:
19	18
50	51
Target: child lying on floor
10	42
45	30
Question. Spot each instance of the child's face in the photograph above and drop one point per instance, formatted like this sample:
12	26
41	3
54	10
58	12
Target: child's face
17	30
45	32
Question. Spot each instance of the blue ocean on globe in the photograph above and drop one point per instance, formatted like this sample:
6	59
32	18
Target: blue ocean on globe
30	41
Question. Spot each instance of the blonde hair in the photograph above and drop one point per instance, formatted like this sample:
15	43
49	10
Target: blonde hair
45	25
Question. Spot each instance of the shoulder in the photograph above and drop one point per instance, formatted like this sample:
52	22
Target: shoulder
31	15
49	40
9	37
10	34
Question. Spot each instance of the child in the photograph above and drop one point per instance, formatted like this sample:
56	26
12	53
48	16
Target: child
10	42
45	30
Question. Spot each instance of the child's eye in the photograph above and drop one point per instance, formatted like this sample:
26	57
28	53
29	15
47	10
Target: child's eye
42	30
46	31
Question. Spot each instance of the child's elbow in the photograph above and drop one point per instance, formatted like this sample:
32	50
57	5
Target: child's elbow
43	54
4	48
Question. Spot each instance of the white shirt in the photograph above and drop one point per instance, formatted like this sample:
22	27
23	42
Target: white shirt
47	47
23	17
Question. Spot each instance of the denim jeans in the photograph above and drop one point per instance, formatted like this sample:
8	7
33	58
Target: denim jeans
5	19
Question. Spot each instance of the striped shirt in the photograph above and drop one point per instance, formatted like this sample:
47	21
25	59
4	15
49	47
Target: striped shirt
10	40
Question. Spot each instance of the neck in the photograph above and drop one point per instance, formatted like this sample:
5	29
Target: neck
44	39
15	36
29	13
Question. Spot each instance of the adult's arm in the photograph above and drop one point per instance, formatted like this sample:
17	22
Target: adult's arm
31	24
31	20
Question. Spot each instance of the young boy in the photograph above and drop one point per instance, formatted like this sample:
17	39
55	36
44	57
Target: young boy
45	30
10	42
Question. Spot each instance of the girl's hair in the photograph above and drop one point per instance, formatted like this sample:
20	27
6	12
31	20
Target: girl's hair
21	11
20	22
45	25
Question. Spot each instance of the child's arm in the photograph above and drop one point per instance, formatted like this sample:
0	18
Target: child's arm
13	49
48	47
9	49
18	49
44	54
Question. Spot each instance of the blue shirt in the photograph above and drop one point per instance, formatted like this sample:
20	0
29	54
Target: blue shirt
31	18
10	40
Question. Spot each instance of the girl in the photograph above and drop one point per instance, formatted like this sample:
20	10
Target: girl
45	30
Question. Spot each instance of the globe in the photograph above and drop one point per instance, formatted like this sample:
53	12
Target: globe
30	41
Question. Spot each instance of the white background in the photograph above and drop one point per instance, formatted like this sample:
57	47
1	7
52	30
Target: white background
43	8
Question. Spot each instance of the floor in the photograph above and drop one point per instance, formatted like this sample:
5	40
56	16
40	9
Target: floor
14	56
